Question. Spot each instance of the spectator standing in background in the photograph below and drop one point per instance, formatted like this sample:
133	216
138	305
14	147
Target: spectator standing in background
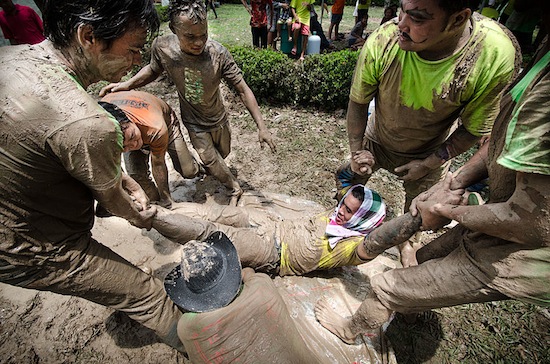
258	20
20	24
337	12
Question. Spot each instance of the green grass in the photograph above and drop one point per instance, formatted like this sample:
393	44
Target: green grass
232	26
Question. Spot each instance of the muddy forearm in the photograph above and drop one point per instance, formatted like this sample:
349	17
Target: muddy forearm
356	124
523	219
473	171
160	174
389	234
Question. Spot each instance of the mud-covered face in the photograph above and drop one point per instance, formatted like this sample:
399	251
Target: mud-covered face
347	209
192	36
132	137
423	26
125	52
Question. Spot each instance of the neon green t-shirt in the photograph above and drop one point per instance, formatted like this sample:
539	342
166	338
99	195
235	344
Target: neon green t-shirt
418	101
527	145
302	11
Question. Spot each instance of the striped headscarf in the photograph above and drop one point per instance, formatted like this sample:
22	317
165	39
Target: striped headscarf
370	214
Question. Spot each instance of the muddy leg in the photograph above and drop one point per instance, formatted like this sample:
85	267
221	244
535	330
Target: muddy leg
371	315
255	250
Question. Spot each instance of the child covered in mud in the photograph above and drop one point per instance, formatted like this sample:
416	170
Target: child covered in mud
197	66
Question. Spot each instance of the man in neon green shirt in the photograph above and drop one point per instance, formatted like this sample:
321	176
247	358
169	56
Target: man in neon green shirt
435	75
300	12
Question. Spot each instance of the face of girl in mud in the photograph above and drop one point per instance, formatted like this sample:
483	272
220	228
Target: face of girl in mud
424	26
132	137
192	36
349	206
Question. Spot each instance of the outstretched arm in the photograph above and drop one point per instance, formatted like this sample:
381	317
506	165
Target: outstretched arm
459	142
249	100
143	77
389	234
523	218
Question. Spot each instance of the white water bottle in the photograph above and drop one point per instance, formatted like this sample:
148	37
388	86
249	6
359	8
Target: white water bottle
313	44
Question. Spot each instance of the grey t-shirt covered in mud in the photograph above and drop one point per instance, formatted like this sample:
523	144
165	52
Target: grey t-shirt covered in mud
57	147
197	79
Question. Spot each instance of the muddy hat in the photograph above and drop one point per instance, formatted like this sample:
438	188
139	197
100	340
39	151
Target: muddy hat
209	276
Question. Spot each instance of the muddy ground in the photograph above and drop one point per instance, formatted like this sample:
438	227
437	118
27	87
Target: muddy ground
41	327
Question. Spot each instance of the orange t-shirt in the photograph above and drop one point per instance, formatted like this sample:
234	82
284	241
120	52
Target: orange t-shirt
149	113
338	7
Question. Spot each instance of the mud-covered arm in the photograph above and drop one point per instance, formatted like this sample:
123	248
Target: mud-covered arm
249	100
524	218
160	174
118	202
458	142
389	234
145	76
356	125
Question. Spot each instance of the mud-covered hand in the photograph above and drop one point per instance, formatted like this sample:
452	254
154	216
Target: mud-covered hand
362	161
431	219
441	193
264	136
135	191
414	170
113	87
145	218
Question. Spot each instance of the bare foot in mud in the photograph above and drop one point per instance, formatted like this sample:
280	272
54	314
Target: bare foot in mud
333	322
408	255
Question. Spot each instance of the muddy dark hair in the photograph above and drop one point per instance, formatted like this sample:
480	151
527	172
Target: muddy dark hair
452	6
193	9
109	19
117	113
359	193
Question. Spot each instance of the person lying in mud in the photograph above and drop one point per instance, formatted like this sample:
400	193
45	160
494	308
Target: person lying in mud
293	246
500	250
232	314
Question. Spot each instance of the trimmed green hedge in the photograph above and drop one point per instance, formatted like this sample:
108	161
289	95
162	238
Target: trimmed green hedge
321	80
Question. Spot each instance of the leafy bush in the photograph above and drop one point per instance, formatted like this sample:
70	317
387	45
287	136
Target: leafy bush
321	80
162	11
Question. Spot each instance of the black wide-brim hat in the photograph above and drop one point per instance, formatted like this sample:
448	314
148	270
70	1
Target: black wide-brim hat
209	295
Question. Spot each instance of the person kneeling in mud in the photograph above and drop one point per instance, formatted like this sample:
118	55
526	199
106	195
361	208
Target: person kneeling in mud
231	314
293	246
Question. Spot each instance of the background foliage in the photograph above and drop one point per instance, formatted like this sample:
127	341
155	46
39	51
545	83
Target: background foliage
322	80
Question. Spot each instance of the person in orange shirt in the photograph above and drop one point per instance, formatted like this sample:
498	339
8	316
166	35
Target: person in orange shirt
160	133
337	11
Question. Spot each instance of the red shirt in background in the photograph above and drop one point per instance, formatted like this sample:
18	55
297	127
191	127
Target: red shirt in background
22	27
